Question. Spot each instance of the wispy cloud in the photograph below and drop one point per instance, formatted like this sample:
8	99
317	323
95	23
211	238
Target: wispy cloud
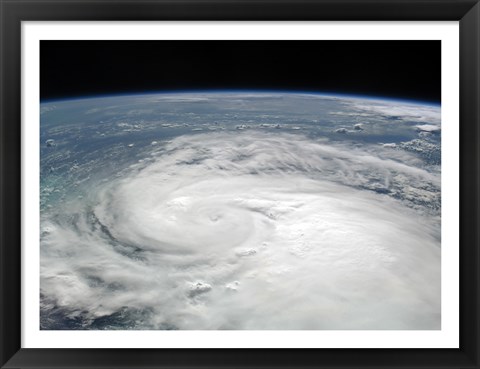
401	111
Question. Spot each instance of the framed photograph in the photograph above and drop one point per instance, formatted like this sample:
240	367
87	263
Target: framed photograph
239	184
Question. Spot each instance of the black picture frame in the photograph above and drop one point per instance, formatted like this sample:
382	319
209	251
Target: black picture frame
13	12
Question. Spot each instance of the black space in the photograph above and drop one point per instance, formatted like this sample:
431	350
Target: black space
396	69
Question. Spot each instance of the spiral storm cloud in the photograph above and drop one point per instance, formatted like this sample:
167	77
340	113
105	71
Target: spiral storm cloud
238	211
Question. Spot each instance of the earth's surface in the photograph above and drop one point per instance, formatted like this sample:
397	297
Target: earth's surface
240	211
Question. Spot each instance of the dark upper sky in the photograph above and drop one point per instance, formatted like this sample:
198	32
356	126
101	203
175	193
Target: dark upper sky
398	69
